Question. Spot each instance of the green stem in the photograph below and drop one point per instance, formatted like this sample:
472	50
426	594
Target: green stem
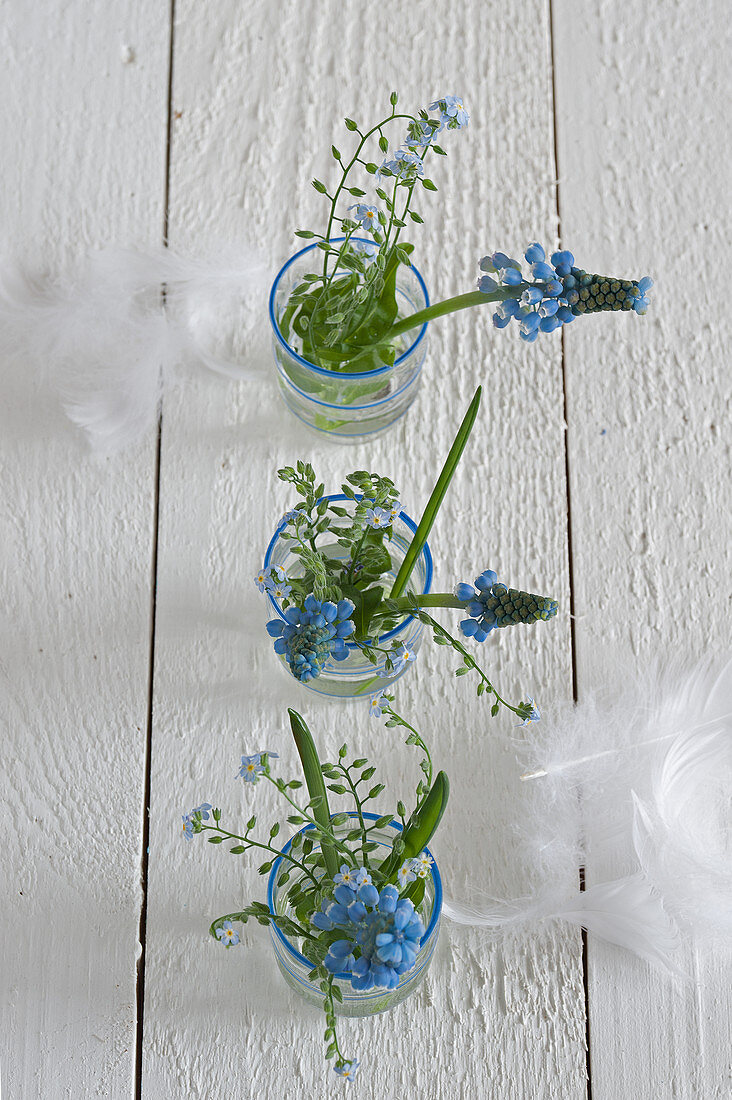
346	170
265	847
451	305
359	811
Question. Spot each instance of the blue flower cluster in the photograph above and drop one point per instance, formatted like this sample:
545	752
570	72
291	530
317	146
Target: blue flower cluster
453	114
273	580
491	604
383	928
406	163
556	291
308	636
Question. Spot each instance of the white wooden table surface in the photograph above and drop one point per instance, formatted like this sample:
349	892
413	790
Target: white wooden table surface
133	663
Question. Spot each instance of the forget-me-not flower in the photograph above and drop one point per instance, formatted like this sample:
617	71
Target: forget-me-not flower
227	934
378	517
366	216
253	766
376	705
453	113
347	1070
401	656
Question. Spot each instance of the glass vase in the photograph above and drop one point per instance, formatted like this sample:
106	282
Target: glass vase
295	966
356	676
346	406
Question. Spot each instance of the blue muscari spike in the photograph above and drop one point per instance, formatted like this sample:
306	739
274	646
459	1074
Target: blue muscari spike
560	291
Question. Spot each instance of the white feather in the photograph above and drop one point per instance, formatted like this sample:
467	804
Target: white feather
626	912
108	332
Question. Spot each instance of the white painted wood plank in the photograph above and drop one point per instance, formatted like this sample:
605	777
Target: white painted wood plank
257	89
643	101
83	140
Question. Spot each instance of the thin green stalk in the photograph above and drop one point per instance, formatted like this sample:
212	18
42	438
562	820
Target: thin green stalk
438	493
452	305
257	844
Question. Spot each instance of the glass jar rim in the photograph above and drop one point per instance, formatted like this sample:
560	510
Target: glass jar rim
325	370
412	527
434	872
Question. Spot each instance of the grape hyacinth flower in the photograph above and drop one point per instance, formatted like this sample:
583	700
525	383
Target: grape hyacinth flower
556	292
309	636
227	934
254	766
491	604
382	934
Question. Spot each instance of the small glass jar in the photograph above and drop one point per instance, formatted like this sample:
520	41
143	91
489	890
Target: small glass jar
346	406
295	967
356	677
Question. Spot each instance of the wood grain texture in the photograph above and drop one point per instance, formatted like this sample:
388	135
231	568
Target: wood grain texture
258	95
83	139
643	96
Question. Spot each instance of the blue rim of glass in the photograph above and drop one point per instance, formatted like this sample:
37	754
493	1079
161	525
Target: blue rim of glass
412	527
277	931
325	370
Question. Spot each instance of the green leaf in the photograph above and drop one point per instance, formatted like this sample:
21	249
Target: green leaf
428	185
366	604
438	494
420	828
315	784
415	217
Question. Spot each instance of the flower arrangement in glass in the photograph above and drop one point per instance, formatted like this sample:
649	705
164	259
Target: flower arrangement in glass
353	898
340	574
349	312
